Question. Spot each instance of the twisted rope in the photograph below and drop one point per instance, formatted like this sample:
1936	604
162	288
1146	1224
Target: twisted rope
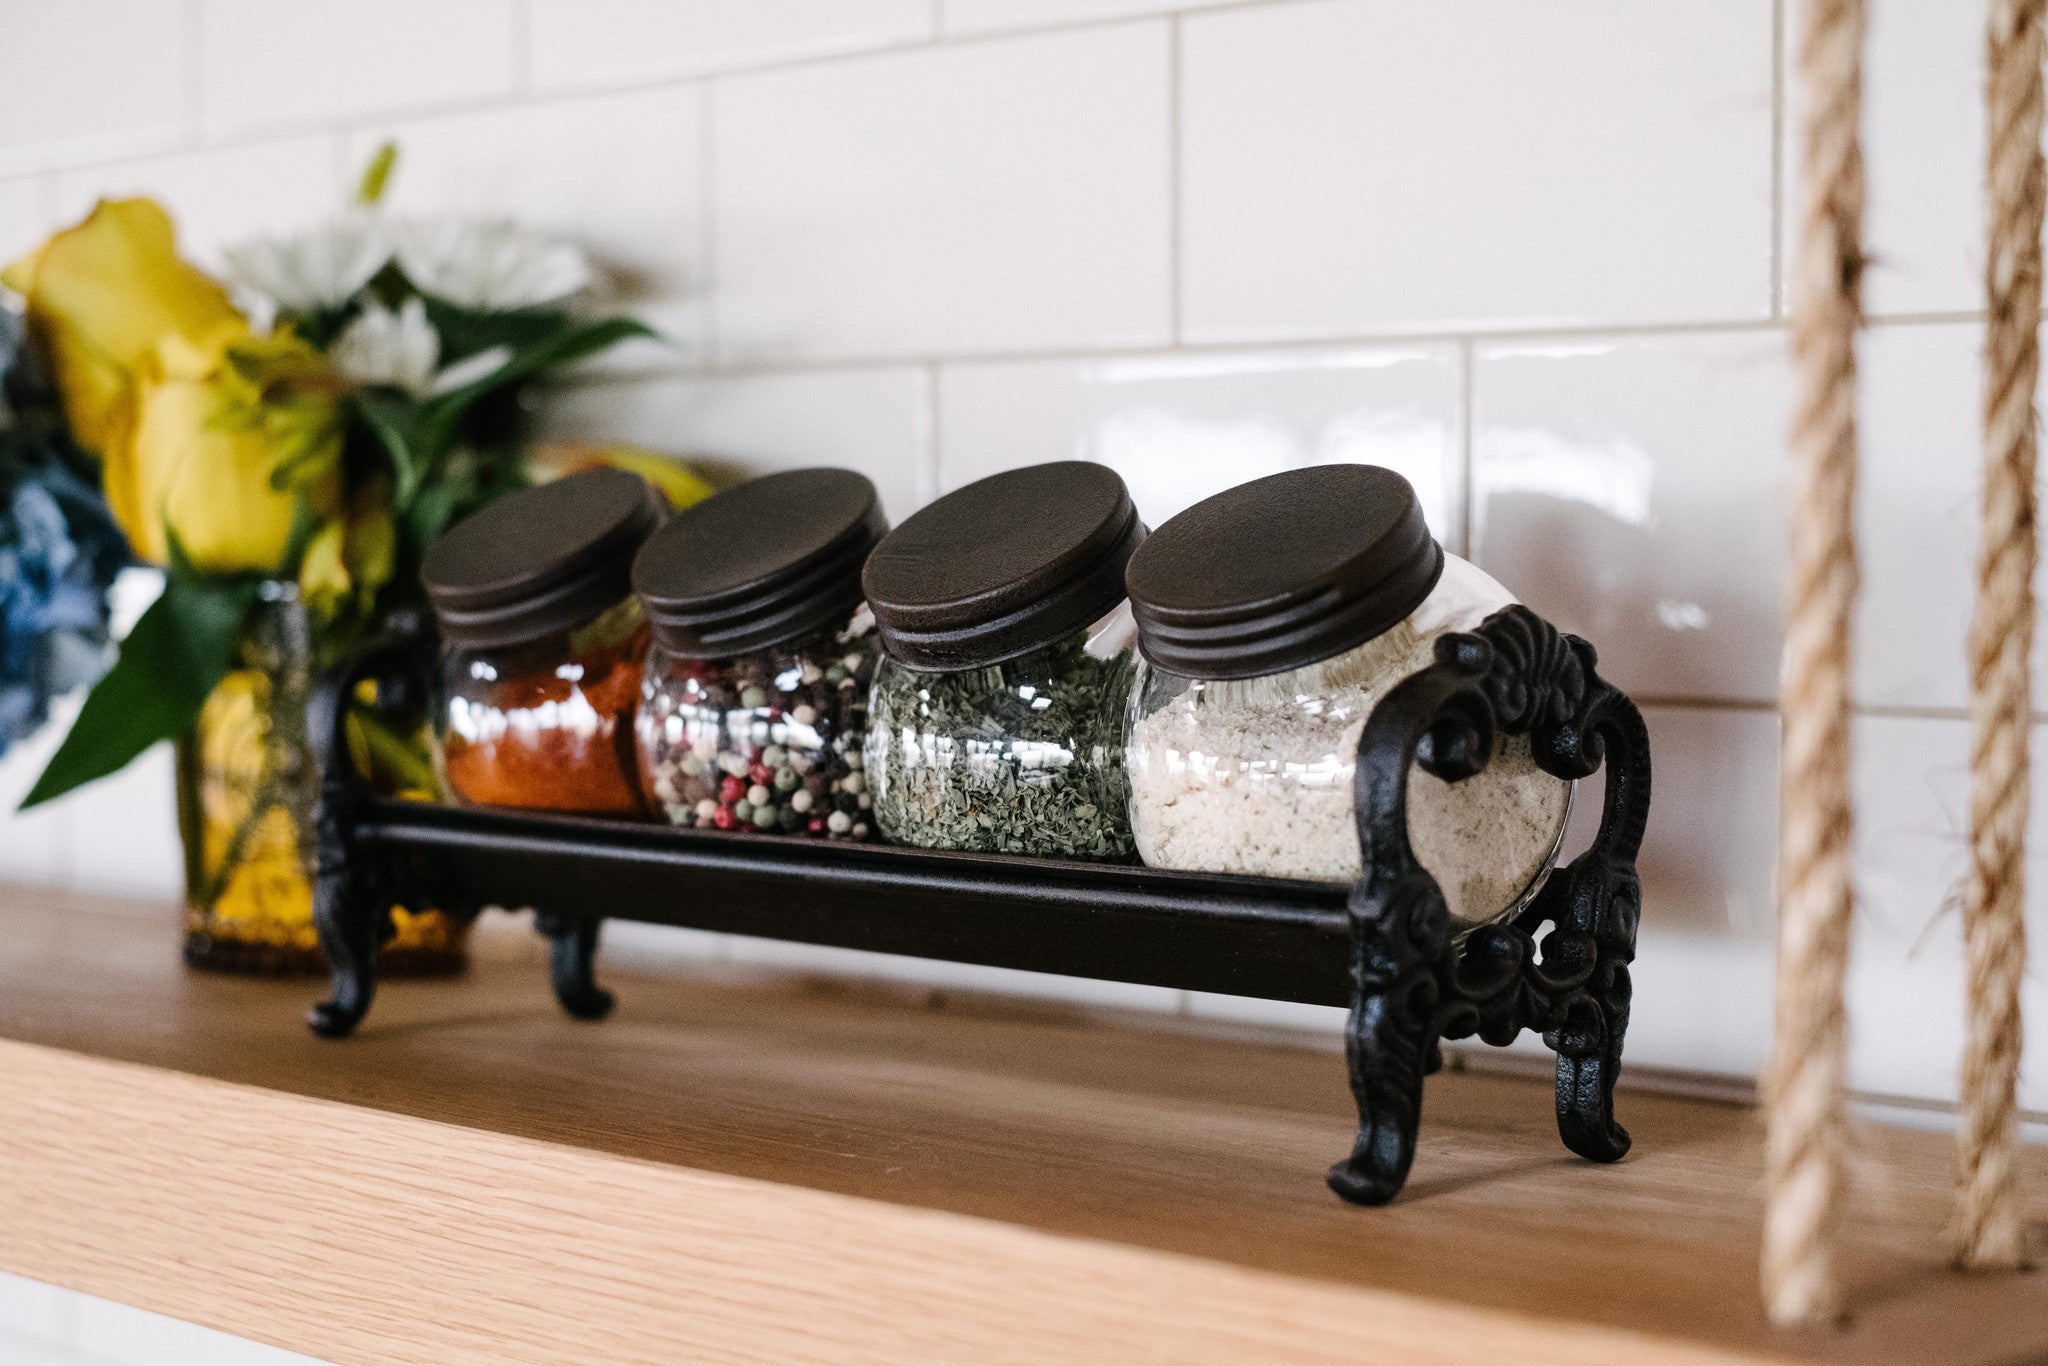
1806	1119
2001	641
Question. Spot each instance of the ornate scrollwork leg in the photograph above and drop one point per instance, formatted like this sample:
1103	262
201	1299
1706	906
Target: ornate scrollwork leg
574	952
1516	674
351	905
1390	1044
1400	934
352	923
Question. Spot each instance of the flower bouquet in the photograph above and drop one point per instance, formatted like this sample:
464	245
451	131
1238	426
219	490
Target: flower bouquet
287	462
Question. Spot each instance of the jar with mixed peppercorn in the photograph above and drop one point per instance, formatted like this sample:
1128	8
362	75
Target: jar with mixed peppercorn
543	643
754	699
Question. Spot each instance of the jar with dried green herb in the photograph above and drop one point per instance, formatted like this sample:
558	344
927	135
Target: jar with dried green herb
996	720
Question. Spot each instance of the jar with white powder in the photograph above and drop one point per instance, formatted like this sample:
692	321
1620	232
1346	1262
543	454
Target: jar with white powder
1271	619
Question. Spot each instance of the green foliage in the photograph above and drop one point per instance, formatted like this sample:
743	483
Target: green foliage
175	656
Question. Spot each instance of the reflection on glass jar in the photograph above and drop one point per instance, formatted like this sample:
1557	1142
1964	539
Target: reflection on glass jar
547	724
544	645
1260	674
755	698
996	724
1022	757
768	741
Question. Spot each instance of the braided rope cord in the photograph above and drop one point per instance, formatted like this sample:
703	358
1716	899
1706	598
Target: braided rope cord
1805	1110
1989	1233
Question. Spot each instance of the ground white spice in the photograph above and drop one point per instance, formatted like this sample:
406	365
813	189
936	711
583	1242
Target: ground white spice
1255	777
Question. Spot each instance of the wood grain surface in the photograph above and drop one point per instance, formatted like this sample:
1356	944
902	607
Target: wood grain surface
780	1170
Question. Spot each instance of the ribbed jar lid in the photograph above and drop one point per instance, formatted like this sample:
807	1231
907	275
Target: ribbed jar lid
764	562
1004	566
1282	572
541	560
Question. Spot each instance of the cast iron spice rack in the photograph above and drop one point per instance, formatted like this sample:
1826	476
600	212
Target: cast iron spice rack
1384	947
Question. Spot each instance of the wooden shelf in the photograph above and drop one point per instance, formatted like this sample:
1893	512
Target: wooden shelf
783	1170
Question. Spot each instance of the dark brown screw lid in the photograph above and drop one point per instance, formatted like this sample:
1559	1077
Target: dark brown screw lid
764	562
541	560
1282	572
1007	565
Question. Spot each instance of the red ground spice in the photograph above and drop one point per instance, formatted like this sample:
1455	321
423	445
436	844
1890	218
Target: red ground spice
555	767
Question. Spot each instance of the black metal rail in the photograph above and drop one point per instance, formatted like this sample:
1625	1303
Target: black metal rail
1383	947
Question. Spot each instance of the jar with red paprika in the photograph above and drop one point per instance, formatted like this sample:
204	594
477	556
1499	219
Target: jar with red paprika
543	643
754	701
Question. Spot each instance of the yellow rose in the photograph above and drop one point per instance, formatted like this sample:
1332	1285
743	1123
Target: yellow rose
224	442
677	481
103	295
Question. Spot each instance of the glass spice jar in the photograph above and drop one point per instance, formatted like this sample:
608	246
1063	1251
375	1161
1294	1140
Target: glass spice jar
996	721
753	703
544	642
1271	619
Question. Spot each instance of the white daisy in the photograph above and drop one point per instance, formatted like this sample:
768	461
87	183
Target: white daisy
402	349
489	265
319	269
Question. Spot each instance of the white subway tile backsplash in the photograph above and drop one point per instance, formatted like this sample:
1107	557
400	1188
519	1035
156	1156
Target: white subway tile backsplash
621	175
125	830
584	42
1917	505
1706	860
111	1334
1923	143
1181	427
1371	165
1911	785
25	215
84	81
981	197
1632	490
876	421
213	194
35	846
981	16
264	63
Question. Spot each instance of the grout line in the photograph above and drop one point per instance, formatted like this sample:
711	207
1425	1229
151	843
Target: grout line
1467	358
194	93
1778	167
707	211
1534	335
522	47
198	138
1175	237
933	472
1731	704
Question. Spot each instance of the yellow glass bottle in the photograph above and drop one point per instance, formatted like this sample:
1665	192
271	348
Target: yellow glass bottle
247	792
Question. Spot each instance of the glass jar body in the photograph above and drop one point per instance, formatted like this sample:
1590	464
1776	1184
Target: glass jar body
1255	775
1023	757
546	724
764	742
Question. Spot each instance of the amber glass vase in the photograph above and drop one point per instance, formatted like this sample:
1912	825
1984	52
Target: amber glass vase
247	788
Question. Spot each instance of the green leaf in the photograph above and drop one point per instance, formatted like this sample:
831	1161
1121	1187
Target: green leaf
466	331
168	665
396	422
568	344
377	174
